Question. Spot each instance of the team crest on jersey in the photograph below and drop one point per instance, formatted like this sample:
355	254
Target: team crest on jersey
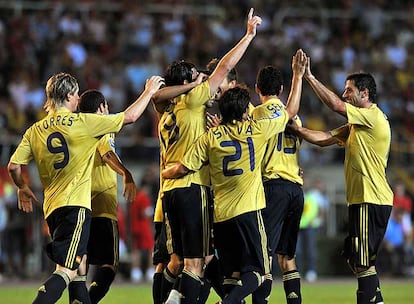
275	114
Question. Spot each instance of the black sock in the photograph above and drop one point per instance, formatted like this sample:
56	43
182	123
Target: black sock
291	284
78	293
379	298
190	286
168	280
101	281
52	289
262	294
156	287
367	286
249	282
214	275
204	291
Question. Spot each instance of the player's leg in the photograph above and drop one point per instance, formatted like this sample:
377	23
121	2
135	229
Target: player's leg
196	239
368	223
160	259
78	293
103	251
69	227
248	230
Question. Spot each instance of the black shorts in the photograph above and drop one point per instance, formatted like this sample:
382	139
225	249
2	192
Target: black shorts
160	254
103	245
284	206
241	244
367	225
69	229
188	221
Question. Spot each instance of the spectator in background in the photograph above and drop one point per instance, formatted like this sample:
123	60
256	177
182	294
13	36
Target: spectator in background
313	218
140	218
393	251
403	201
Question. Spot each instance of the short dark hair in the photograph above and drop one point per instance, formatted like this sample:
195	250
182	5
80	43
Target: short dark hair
233	103
231	75
364	81
177	72
90	100
269	81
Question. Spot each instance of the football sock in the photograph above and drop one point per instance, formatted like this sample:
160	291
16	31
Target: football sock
367	286
204	291
190	286
213	274
291	284
101	281
52	289
168	280
379	298
78	293
156	287
249	282
262	294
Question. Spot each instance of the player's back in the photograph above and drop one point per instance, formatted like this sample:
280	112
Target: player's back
281	159
63	145
180	126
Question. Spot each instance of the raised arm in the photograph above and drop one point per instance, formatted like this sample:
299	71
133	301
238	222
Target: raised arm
295	94
329	98
234	55
130	189
24	194
135	110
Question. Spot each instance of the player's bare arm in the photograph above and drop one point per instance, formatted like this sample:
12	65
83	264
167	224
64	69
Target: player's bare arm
130	189
233	56
25	195
176	171
329	98
161	98
298	69
319	138
134	111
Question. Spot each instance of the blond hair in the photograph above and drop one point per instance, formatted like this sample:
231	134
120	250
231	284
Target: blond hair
57	89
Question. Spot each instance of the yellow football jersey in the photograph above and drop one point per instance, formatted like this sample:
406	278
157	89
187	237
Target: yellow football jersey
179	127
281	158
366	155
234	154
104	181
63	145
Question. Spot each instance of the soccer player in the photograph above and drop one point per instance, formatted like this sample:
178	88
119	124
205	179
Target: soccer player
185	202
366	138
283	189
233	152
103	245
63	145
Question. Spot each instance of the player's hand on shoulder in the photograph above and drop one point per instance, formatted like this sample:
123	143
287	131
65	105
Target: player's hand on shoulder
252	23
212	120
154	83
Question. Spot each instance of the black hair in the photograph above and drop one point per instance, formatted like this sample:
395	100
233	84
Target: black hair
364	81
269	81
211	66
233	103
90	100
177	72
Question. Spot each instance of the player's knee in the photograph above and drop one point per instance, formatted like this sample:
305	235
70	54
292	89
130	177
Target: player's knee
286	263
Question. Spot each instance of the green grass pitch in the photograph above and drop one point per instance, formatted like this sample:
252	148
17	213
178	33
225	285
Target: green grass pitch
323	291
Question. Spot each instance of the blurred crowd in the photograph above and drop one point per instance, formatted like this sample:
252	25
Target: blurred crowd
117	46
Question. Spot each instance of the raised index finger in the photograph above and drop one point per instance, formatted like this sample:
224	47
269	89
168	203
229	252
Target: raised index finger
250	16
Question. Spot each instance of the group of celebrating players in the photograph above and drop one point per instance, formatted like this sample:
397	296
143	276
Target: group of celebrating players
231	194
